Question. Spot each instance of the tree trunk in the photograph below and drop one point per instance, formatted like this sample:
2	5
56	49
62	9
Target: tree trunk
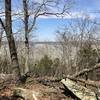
10	38
1	33
26	18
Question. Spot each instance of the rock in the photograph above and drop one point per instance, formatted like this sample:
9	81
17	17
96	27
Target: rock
79	91
6	77
25	94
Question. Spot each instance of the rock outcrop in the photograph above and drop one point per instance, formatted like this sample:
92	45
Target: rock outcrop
81	92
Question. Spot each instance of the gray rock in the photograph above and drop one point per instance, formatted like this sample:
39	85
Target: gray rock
25	94
79	91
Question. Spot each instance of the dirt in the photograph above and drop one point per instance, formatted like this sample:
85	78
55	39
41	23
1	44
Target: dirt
48	90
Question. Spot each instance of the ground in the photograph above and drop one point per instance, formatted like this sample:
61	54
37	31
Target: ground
48	89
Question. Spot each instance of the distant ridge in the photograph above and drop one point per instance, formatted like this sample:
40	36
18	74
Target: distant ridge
48	42
32	43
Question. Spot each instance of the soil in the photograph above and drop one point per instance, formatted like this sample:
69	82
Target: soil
47	88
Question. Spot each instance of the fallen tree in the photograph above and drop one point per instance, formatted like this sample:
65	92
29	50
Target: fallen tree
88	82
86	70
71	83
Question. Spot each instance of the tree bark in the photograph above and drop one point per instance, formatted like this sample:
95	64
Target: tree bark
10	38
26	18
1	33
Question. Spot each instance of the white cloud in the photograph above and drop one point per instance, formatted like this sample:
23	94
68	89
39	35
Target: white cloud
82	15
39	1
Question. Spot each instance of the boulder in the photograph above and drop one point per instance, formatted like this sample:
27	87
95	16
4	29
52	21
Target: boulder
79	91
25	94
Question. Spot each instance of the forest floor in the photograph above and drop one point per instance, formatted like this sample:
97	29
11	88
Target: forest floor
46	87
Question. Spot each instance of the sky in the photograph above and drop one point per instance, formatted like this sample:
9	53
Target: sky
47	26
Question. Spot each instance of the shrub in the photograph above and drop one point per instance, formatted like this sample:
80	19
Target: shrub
87	56
44	66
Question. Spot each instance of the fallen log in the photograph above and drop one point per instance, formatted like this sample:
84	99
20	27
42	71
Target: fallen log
86	70
79	91
88	82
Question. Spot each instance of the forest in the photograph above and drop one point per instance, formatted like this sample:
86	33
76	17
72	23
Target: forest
66	67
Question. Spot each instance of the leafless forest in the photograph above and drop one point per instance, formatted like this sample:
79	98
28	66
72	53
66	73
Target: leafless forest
65	69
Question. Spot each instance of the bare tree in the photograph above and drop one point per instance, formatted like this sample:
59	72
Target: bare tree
80	35
37	9
32	10
26	19
8	29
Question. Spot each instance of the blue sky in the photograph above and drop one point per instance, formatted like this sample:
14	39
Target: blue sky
46	27
87	5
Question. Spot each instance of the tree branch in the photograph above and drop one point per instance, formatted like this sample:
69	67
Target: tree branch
2	24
